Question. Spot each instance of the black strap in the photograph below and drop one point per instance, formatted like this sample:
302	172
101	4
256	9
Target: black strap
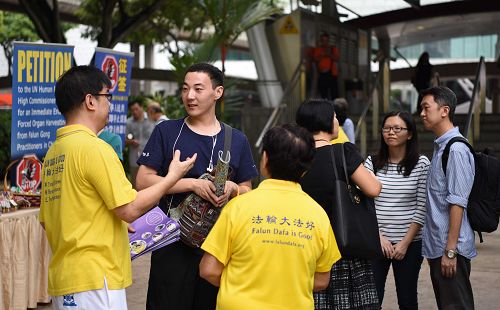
446	151
335	171
228	137
446	155
374	158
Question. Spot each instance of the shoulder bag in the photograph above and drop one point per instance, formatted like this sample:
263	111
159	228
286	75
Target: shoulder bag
196	215
353	218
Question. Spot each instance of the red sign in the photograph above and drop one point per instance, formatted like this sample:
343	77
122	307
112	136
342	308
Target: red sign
28	173
110	68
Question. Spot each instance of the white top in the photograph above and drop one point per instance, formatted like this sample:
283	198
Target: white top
349	130
402	199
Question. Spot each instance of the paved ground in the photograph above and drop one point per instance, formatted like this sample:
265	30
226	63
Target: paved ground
485	281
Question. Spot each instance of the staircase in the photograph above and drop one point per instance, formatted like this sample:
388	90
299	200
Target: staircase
490	134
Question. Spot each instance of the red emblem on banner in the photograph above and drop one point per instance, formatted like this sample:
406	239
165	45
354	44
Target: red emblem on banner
28	173
110	68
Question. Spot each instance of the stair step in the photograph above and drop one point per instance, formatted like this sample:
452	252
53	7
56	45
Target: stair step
489	134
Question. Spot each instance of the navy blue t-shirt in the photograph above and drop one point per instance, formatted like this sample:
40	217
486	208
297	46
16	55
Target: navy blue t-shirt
159	150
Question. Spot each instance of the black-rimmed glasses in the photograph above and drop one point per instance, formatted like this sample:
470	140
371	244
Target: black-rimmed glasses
108	96
396	129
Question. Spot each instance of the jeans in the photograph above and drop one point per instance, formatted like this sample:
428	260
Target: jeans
405	275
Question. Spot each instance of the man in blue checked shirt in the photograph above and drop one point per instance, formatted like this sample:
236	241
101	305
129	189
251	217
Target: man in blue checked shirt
448	239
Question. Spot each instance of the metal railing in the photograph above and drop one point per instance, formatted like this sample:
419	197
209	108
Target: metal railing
361	124
477	103
278	110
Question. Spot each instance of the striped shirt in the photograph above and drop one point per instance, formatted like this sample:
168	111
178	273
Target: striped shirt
445	190
402	199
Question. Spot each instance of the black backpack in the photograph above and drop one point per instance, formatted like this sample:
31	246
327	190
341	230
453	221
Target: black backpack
483	208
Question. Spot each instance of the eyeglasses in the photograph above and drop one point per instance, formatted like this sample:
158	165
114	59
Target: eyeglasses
396	129
108	96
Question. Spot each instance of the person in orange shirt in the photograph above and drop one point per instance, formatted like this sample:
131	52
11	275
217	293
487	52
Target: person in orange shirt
325	58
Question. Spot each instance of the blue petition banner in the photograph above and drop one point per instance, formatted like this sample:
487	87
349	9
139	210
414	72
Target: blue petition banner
118	67
35	117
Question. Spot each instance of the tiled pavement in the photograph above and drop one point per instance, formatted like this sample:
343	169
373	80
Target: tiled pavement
485	281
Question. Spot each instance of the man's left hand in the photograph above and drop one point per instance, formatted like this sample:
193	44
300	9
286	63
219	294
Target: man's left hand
229	189
448	266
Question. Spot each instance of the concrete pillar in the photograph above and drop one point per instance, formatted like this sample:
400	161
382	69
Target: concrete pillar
497	48
149	59
384	69
495	94
135	85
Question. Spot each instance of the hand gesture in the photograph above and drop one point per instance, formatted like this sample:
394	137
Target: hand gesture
179	168
386	245
205	188
130	229
399	251
229	189
448	266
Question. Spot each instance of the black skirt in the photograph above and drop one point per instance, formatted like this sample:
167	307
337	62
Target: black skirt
352	286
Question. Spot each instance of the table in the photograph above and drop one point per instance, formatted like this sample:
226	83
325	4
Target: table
24	260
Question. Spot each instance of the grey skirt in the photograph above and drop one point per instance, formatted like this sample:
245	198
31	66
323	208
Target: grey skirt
352	286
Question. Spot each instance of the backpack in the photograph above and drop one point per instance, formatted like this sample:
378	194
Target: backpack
483	208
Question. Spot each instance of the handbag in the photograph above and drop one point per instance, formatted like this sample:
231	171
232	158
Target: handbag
196	215
353	218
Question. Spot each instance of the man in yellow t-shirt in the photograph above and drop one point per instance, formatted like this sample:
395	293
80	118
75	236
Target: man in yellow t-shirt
86	199
271	247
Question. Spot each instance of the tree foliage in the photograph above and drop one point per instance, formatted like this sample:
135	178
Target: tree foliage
230	18
112	21
45	16
15	27
5	120
178	22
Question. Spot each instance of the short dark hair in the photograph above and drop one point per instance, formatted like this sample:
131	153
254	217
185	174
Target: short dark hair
316	115
213	72
75	84
443	97
412	154
290	151
134	102
341	105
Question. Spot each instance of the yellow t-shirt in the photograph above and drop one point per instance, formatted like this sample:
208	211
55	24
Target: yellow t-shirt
83	180
341	138
271	242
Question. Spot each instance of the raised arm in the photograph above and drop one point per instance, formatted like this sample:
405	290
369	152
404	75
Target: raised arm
148	197
366	181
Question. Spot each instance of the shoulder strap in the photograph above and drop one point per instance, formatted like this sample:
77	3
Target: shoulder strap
335	171
374	159
344	164
446	151
228	137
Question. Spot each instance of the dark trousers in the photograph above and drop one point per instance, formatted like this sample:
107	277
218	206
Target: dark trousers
452	293
174	281
405	275
327	85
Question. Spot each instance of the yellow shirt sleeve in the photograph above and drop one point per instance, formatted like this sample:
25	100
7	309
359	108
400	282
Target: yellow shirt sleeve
330	255
105	172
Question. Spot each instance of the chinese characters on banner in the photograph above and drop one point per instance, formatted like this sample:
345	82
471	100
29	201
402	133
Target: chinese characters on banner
118	67
35	117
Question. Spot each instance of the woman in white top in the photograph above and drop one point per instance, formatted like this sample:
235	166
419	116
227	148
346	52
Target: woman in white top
400	206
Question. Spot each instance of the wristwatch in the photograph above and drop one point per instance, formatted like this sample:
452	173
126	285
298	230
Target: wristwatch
451	254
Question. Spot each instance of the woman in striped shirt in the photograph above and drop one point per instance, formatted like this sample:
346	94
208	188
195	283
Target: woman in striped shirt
400	206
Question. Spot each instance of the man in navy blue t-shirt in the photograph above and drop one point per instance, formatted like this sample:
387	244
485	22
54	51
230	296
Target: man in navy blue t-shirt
174	281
